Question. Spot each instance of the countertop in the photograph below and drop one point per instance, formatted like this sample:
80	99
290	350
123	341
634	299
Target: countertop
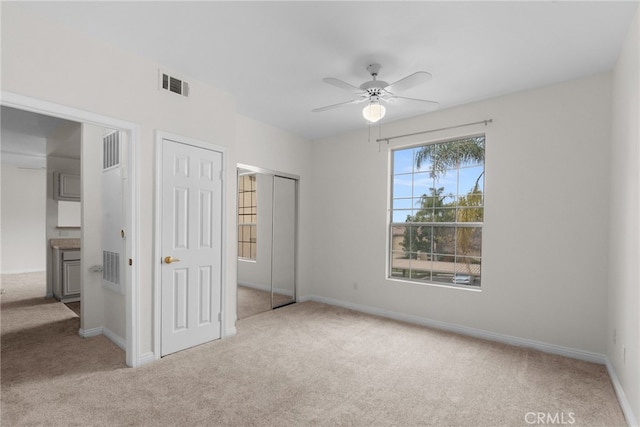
65	243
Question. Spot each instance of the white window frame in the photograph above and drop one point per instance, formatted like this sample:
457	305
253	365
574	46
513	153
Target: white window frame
455	282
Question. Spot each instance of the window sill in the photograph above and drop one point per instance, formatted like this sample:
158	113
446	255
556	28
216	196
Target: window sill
436	284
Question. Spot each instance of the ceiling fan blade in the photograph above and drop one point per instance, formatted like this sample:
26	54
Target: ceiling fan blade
341	84
404	98
329	107
408	82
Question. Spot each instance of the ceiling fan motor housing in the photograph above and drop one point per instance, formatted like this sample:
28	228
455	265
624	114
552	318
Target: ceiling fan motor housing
374	69
375	91
374	87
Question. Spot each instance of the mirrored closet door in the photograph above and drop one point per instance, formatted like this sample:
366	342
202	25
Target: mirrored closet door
283	254
267	226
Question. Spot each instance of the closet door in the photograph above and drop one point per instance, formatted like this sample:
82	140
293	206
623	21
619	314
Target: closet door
283	259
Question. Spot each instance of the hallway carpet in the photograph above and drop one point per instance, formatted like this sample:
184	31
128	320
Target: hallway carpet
304	364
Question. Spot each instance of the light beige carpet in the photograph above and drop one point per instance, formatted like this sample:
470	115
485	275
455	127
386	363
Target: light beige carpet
74	306
304	364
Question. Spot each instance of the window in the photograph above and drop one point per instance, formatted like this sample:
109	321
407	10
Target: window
247	217
437	210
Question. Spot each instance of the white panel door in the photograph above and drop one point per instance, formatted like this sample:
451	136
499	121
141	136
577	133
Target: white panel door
191	246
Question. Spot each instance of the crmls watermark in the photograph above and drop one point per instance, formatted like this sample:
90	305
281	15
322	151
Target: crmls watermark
550	418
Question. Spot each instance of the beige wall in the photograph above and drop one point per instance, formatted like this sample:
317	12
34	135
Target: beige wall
624	227
23	218
101	307
544	274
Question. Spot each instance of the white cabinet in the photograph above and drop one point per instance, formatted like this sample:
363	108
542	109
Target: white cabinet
66	187
66	274
70	273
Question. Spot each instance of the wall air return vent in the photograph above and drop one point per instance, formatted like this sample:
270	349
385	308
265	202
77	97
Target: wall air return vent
173	84
111	150
110	269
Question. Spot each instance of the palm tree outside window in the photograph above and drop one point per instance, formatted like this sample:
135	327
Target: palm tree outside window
437	212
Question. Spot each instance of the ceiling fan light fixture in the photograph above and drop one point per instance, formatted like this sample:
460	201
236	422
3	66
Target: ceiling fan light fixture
374	112
374	91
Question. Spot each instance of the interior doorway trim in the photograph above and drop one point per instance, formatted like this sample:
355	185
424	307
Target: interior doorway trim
157	243
27	103
267	171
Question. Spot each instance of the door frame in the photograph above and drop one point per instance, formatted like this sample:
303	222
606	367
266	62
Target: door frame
132	291
157	237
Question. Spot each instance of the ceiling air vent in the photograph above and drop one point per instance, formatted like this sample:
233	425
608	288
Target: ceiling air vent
173	84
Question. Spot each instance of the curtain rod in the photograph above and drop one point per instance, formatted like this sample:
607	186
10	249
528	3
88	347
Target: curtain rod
486	122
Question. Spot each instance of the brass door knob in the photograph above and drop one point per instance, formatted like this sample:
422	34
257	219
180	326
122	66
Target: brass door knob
169	260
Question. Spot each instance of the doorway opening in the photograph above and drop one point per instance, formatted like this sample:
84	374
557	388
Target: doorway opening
267	239
127	305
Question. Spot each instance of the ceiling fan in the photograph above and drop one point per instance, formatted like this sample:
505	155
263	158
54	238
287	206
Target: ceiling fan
374	91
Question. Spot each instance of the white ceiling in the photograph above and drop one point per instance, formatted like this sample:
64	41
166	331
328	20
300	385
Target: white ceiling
24	138
272	56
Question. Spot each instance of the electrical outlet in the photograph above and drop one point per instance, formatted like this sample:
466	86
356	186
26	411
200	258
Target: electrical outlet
614	336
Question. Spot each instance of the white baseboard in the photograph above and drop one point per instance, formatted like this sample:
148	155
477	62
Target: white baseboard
146	358
230	331
464	330
88	333
38	270
115	339
622	398
94	332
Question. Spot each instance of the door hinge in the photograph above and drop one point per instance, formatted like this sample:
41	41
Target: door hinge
130	261
219	317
